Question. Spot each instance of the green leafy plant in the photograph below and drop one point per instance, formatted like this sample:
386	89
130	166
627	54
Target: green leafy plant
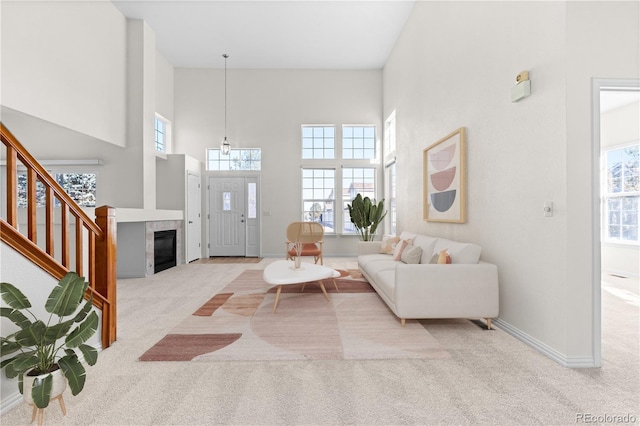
39	345
366	215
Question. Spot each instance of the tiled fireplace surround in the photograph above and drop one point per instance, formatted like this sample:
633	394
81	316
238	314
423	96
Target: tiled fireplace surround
162	225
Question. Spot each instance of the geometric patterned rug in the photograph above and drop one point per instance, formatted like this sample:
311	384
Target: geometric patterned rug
237	324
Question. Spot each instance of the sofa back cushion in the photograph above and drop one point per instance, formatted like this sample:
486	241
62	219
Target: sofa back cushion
405	235
427	244
459	252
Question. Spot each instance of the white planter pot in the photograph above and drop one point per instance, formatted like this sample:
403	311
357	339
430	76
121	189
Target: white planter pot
58	387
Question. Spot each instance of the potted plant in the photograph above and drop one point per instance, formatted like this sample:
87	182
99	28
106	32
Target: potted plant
366	215
47	350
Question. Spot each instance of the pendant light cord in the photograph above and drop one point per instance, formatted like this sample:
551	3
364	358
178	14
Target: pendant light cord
225	56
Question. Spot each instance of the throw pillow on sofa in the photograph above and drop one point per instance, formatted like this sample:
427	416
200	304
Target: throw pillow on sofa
389	243
411	254
444	258
397	252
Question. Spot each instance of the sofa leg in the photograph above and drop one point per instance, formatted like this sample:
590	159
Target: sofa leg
488	323
403	321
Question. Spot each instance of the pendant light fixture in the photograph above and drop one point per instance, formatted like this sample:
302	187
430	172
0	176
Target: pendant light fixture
225	147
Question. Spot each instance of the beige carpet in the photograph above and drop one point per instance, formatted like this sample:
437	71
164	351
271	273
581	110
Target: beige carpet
238	324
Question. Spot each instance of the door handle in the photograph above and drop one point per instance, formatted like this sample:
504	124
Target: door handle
190	221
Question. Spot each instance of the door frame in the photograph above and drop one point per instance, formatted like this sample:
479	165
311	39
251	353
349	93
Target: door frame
188	234
598	85
249	178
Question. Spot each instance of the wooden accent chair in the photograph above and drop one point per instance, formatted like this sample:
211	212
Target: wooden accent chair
309	236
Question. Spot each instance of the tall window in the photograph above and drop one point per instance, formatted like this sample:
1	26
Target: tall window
318	142
356	180
621	194
318	197
391	197
237	159
162	134
390	133
359	142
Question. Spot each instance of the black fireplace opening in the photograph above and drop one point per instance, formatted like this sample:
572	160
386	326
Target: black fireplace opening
164	250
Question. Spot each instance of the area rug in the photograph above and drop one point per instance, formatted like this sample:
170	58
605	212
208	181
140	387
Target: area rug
229	259
238	324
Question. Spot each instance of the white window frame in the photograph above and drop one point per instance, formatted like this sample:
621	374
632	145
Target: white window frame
390	198
316	139
340	217
356	144
314	191
349	193
608	196
390	134
162	147
216	161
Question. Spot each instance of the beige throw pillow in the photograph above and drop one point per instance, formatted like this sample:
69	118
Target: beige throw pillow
411	254
388	244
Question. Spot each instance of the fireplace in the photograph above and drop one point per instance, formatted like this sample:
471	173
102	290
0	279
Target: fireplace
164	250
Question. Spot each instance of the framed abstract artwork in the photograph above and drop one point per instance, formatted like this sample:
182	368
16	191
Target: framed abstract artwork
444	175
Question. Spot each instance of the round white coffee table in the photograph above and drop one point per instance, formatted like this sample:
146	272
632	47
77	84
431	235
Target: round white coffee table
283	272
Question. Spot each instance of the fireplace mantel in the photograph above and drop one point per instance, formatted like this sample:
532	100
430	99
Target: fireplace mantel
147	215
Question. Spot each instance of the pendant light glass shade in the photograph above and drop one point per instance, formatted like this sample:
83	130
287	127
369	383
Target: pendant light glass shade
225	146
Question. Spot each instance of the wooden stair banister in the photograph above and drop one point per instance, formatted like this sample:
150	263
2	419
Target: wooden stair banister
101	234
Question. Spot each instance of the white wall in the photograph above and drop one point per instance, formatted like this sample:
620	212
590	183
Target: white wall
164	86
603	41
266	109
450	69
64	62
618	127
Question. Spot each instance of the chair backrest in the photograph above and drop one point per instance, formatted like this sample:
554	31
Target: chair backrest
305	232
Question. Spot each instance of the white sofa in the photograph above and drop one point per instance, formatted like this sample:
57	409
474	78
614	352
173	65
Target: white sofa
465	288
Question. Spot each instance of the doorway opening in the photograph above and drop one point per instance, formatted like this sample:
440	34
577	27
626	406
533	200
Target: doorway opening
616	135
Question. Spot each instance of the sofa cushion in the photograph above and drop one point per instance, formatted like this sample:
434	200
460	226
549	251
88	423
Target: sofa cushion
385	282
411	254
406	235
365	259
459	252
373	268
427	244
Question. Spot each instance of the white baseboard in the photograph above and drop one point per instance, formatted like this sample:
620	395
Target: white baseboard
562	359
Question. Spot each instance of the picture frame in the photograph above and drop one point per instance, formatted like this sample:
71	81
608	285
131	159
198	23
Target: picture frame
444	179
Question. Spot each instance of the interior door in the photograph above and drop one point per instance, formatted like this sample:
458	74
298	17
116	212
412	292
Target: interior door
227	211
194	221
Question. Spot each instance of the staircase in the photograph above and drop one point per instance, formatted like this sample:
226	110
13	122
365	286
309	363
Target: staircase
99	236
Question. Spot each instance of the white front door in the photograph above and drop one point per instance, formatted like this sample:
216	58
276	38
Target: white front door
227	210
194	221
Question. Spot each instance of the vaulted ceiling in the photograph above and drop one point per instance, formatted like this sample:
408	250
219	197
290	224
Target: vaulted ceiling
293	34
